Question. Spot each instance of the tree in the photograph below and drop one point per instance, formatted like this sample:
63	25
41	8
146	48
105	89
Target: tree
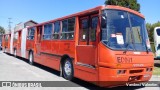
132	4
2	30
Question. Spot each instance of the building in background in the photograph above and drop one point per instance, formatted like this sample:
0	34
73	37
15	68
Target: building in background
24	25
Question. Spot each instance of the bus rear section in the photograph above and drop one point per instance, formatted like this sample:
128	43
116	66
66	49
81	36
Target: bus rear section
6	43
1	42
20	39
157	42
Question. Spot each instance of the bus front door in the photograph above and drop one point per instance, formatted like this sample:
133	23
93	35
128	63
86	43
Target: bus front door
86	48
38	41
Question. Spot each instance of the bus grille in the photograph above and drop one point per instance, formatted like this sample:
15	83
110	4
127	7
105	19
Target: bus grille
135	71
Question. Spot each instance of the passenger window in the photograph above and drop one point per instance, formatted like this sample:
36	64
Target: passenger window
56	30
68	28
15	36
92	32
47	32
31	32
6	38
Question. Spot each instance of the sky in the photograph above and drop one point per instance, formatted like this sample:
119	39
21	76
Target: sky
45	10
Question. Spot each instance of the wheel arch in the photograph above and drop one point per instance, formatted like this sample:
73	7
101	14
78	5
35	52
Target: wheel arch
30	50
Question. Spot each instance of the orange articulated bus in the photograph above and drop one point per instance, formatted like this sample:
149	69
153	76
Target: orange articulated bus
105	45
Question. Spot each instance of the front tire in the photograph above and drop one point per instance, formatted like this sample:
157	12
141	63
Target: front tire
31	58
68	70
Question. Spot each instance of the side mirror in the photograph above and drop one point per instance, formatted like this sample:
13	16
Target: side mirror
104	16
103	21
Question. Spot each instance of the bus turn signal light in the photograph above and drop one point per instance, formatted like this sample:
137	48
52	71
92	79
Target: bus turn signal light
148	69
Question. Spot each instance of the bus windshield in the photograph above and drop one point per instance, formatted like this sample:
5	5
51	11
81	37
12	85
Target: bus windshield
122	30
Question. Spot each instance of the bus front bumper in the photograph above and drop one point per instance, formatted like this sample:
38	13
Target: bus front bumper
111	77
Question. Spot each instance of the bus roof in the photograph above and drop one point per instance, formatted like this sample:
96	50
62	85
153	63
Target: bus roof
123	8
96	9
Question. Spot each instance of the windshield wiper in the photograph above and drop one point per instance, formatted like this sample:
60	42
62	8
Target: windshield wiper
147	50
126	48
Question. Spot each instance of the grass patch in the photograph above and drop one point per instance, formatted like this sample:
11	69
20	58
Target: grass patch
156	71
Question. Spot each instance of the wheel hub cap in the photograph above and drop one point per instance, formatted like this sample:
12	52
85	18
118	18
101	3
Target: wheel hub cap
67	68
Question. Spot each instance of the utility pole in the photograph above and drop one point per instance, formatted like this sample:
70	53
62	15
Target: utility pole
9	24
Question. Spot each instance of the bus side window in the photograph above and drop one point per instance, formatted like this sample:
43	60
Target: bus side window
47	32
16	36
68	28
92	32
6	38
71	25
31	32
39	34
64	29
56	30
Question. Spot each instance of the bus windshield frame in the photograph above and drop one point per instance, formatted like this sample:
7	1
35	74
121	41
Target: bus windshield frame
122	30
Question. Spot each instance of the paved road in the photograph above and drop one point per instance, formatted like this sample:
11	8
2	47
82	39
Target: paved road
17	69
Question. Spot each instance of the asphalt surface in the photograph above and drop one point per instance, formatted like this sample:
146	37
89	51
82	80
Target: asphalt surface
18	69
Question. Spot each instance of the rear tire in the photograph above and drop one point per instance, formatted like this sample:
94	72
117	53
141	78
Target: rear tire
31	58
67	69
15	53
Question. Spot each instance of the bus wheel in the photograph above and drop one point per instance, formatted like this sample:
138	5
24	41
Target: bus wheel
68	69
31	60
4	50
15	52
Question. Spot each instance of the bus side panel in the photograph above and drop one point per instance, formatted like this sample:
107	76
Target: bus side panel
15	44
23	42
85	73
55	47
11	41
67	47
48	60
46	46
47	54
8	43
19	44
3	42
30	45
51	61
